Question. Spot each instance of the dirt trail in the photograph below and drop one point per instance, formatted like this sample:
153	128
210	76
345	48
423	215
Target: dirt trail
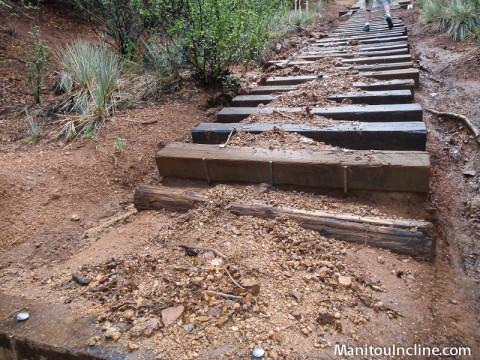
66	208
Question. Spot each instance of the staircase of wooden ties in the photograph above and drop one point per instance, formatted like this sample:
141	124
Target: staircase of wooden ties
386	144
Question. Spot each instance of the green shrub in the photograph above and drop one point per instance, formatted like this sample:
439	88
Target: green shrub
303	18
125	22
162	61
459	18
216	34
97	72
37	64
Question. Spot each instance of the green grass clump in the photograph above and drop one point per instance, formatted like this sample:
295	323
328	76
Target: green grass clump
304	18
458	18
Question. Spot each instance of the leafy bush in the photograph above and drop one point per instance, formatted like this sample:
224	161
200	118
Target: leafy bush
37	64
303	18
162	61
97	73
459	18
125	22
216	34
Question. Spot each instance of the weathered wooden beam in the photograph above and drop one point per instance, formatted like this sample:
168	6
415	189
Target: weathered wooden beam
412	73
368	113
403	236
386	85
354	169
378	59
252	100
376	97
347	38
375	56
292	80
380	67
358	136
347	48
265	90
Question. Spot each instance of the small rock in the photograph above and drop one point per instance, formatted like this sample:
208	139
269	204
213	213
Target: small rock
188	327
381	260
131	346
171	314
345	281
23	316
297	295
149	326
258	353
209	255
129	314
324	317
80	279
469	173
112	334
367	300
430	54
93	340
75	217
215	311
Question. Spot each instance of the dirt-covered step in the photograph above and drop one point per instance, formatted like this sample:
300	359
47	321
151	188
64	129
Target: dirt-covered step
407	84
358	136
365	36
413	74
291	80
376	97
407	171
373	40
359	31
378	56
367	113
369	98
400	235
379	67
348	48
378	59
265	90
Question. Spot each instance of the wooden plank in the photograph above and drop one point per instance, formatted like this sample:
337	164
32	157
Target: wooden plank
236	114
377	56
265	90
376	97
252	100
359	31
380	67
358	136
386	85
368	113
347	48
292	80
354	169
403	236
412	73
373	113
378	59
367	36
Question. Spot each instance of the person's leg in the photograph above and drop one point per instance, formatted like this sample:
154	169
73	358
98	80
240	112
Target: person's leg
388	15
368	14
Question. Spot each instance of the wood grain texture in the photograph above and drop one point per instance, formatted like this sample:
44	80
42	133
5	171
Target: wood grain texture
365	170
359	136
403	236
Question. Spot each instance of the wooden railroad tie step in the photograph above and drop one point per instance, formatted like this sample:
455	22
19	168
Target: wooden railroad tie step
368	113
265	90
407	84
369	48
292	80
381	67
359	31
347	38
366	40
358	136
412	73
365	97
410	237
378	59
406	171
376	55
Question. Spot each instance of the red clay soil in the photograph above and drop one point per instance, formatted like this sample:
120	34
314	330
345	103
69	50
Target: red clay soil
66	207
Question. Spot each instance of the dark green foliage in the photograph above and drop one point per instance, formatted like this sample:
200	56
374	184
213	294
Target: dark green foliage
125	22
37	64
